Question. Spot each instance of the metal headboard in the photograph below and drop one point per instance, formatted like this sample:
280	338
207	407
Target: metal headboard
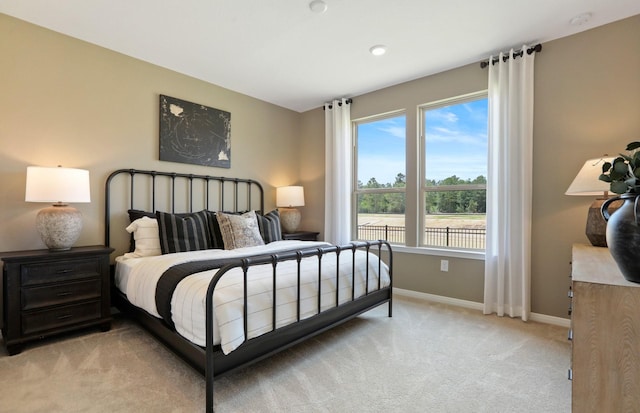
214	193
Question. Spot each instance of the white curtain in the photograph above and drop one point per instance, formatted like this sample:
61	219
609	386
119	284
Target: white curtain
508	249
337	215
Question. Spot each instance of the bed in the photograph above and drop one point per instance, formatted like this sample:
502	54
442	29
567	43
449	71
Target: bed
201	266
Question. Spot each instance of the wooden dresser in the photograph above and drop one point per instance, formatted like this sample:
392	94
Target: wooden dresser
605	332
47	293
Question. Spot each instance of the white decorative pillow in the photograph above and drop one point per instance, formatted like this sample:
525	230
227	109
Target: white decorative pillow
239	230
145	234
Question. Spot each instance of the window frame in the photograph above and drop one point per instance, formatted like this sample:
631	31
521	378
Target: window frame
423	189
414	191
356	192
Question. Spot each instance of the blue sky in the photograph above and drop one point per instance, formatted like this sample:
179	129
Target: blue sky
456	144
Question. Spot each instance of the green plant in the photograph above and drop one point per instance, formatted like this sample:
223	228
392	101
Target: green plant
623	174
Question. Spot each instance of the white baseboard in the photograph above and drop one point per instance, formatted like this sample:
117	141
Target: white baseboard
540	318
439	299
549	319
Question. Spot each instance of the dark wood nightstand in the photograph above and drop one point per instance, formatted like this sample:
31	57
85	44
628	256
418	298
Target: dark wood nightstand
46	293
301	235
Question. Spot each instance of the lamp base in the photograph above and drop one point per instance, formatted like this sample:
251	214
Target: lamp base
59	226
596	229
289	219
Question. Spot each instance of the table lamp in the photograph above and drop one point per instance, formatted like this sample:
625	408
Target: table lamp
287	199
586	183
59	225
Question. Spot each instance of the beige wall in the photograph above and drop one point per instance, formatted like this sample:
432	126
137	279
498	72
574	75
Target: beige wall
311	164
414	271
587	103
63	101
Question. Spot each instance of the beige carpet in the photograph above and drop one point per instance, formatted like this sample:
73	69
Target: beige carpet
427	358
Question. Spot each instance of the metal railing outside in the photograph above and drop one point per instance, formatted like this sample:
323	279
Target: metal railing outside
473	238
389	233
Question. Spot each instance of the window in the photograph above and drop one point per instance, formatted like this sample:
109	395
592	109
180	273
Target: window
455	172
380	178
452	142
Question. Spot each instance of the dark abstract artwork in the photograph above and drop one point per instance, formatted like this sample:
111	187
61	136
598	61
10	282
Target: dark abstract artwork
194	134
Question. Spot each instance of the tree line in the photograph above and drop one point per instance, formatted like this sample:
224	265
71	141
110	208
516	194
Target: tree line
438	202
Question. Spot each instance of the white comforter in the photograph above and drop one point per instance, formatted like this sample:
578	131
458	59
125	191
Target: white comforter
138	277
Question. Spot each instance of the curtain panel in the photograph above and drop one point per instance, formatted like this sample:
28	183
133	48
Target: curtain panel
338	167
508	248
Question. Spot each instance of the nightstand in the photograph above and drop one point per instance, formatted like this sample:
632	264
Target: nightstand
47	293
301	235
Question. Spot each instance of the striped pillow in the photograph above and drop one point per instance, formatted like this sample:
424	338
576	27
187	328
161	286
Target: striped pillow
214	231
183	232
270	226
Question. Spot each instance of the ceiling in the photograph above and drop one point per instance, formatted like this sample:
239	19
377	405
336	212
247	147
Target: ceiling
282	52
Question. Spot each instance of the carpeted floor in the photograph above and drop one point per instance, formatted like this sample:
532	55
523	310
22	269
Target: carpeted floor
428	358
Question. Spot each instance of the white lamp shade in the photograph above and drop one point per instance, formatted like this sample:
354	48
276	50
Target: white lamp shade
57	184
290	196
587	182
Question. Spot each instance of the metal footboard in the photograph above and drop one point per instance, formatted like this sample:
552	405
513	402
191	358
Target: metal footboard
305	328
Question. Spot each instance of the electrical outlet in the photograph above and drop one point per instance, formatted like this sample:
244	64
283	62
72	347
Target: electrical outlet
444	265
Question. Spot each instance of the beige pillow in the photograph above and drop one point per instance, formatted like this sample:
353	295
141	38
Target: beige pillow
145	234
239	230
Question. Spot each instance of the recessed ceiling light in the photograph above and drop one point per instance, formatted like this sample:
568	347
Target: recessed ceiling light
318	6
580	19
378	50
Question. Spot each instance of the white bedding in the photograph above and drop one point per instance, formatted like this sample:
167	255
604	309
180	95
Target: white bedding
138	277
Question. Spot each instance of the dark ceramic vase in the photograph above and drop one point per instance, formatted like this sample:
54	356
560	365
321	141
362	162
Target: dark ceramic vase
623	234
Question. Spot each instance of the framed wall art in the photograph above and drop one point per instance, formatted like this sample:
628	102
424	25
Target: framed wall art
194	134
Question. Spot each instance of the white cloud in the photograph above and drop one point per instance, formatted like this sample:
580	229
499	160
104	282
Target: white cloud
442	116
452	136
395	131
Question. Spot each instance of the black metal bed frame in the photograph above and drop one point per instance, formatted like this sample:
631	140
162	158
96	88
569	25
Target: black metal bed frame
210	360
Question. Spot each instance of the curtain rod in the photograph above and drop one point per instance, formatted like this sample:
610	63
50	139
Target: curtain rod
536	48
348	101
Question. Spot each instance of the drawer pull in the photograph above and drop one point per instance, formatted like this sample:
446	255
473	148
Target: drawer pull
64	293
64	271
570	335
63	317
570	374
